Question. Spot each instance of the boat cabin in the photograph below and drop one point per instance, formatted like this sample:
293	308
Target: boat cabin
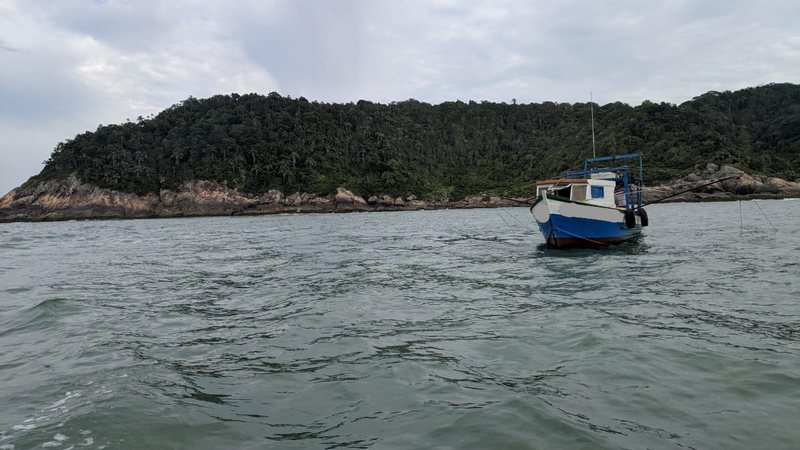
594	190
614	186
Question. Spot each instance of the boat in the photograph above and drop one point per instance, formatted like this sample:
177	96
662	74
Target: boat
596	206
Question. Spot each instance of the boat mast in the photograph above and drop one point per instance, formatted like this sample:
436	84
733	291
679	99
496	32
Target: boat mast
591	105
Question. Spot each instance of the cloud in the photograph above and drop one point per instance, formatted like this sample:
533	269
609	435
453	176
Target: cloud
70	75
67	66
313	48
6	48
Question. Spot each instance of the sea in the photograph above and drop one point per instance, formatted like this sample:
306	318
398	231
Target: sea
448	329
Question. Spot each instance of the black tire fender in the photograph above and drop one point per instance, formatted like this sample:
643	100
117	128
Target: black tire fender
643	216
630	219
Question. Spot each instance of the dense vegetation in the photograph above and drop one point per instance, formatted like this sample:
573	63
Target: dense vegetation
255	143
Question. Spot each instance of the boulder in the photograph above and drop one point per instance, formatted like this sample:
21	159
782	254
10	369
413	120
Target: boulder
274	196
318	201
775	185
475	200
346	200
725	171
742	185
292	199
416	204
385	200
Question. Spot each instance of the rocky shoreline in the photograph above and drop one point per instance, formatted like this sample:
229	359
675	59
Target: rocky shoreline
740	186
70	199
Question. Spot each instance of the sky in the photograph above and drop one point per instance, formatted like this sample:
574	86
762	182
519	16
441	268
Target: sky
67	66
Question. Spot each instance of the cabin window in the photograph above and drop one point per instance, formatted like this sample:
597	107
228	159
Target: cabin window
597	192
578	192
563	192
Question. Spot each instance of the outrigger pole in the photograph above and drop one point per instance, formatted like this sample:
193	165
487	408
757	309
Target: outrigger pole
525	202
720	180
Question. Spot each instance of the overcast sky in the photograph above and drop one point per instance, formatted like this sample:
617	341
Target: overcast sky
68	65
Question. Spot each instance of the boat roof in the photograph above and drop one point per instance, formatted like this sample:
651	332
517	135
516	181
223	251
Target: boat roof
563	181
615	166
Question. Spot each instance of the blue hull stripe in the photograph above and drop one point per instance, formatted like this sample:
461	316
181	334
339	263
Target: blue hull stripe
570	228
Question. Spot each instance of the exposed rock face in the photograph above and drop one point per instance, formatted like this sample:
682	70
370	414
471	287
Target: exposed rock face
345	200
201	198
476	200
742	187
416	204
71	199
385	201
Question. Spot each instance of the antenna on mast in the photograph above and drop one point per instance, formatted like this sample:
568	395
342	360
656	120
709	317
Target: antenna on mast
591	105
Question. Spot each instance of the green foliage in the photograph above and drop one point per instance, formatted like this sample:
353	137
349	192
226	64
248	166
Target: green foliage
255	143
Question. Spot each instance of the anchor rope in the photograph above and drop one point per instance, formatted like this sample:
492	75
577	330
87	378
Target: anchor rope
506	222
741	219
765	215
525	226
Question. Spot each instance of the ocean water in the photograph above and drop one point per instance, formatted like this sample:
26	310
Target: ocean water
430	329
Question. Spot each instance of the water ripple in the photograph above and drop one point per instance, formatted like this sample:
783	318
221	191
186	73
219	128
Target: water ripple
445	329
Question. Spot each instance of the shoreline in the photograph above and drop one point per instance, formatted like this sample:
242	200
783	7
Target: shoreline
70	199
310	209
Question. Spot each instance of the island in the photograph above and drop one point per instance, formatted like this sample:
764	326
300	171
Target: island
255	154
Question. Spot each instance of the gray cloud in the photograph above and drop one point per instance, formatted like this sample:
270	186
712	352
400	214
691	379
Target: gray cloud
67	66
6	48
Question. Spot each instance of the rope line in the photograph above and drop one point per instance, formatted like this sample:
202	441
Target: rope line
765	216
515	219
506	222
525	226
741	219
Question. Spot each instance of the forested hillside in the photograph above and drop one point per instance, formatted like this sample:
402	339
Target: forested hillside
255	143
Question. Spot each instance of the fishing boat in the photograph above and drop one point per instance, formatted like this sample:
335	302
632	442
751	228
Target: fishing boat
598	205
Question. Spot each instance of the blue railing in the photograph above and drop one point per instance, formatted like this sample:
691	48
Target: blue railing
624	170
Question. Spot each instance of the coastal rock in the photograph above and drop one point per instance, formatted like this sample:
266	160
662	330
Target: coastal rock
692	178
416	204
319	201
71	199
293	199
201	198
475	200
386	200
346	200
274	196
742	186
